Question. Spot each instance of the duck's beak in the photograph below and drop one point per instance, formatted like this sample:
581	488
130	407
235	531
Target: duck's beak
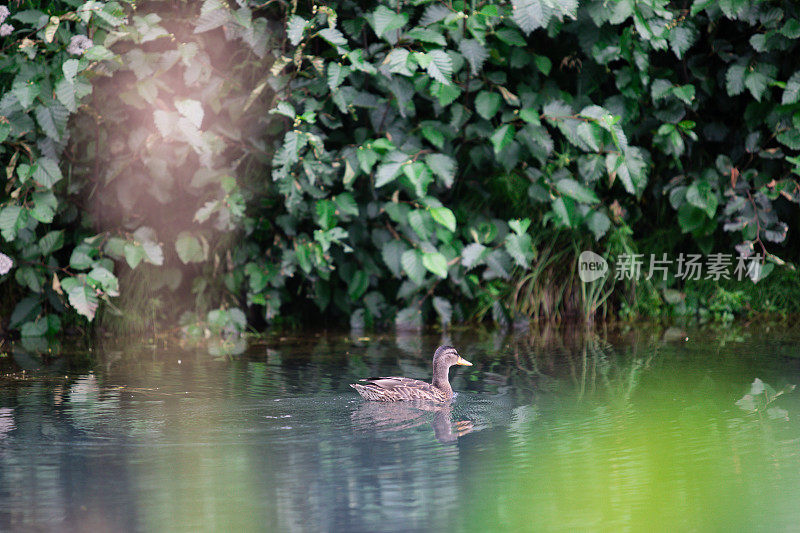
462	361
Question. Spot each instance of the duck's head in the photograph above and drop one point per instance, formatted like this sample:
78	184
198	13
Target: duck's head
448	356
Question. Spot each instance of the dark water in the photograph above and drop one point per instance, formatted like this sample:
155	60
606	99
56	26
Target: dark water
550	430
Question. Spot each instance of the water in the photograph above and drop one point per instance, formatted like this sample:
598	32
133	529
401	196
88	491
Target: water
550	430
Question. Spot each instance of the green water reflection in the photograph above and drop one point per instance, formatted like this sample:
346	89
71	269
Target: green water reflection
551	430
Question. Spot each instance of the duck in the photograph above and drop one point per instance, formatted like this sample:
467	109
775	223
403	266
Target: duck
395	389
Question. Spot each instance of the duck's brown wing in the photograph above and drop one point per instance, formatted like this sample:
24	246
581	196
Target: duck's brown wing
393	389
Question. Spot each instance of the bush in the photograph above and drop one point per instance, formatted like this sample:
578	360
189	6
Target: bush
54	262
431	145
432	159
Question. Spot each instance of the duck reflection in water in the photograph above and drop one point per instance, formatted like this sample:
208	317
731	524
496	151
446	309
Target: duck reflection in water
392	417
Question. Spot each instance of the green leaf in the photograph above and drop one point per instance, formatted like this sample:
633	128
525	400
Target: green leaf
105	279
690	217
134	253
358	62
444	309
153	253
50	30
36	328
543	63
472	254
499	264
391	252
700	195
511	37
98	53
191	109
387	172
598	223
685	93
734	79
445	217
433	14
205	212
520	248
791	94
258	279
295	28
443	166
326	214
189	248
446	94
433	133
530	115
519	226
44	206
70	68
419	175
335	37
629	170
366	158
660	88
487	104
440	67
790	138
384	20
51	120
65	92
336	74
397	60
475	54
416	219
791	29
358	285
413	266
47	172
30	277
51	242
591	167
81	296
303	254
435	263
756	82
530	14
408	318
26	309
759	271
12	219
565	212
681	38
346	204
579	192
591	134
502	137
81	258
425	35
25	90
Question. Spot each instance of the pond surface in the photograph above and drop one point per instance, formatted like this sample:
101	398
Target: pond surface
551	430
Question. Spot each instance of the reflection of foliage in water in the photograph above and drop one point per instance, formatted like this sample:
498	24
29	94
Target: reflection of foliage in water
674	453
573	429
760	396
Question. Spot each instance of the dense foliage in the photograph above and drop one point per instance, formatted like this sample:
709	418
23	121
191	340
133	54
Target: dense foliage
44	69
126	191
387	161
454	141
